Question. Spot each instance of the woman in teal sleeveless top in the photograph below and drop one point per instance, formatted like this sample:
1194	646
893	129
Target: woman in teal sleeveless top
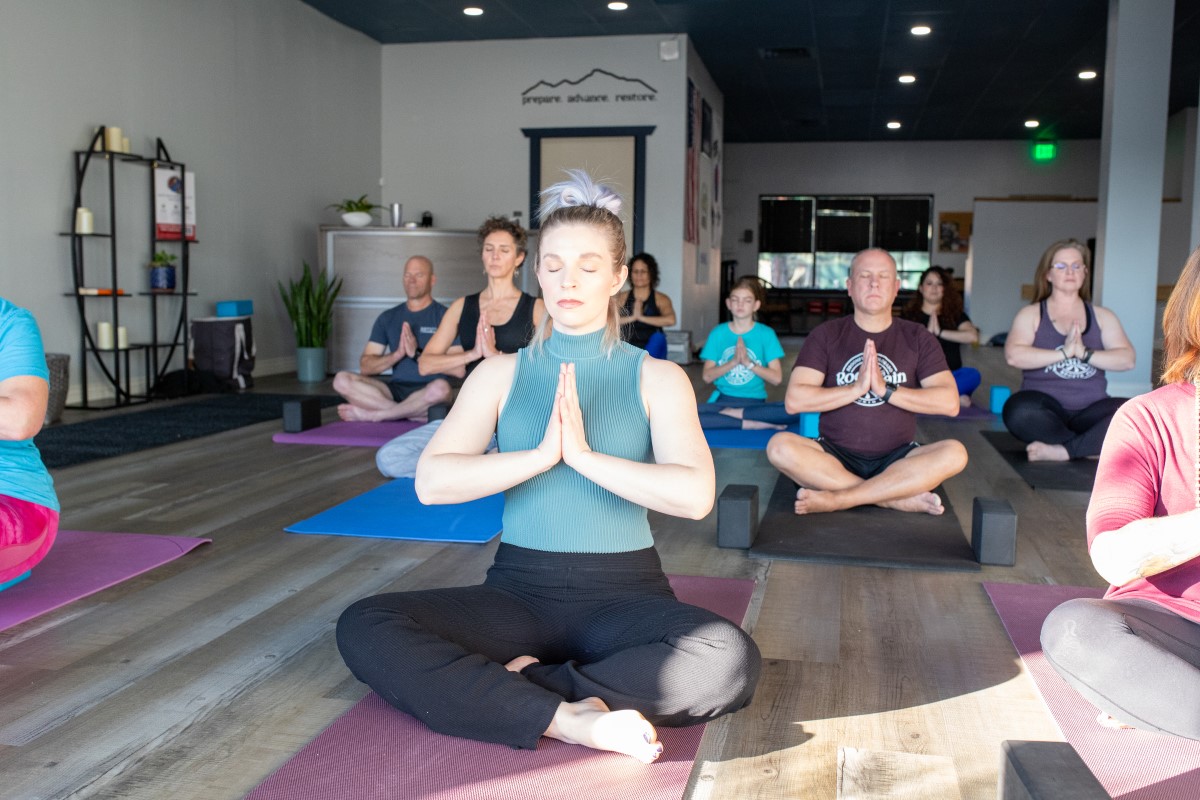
575	634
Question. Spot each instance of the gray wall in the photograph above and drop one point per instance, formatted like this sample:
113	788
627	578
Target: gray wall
273	105
453	114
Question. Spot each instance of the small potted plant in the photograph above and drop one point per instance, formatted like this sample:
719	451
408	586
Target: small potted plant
356	213
162	272
309	303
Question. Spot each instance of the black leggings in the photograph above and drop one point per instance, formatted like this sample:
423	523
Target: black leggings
1037	417
1132	659
602	625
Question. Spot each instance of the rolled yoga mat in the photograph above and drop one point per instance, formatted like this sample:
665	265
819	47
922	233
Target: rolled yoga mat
1076	476
350	434
867	536
392	511
375	751
1130	764
82	563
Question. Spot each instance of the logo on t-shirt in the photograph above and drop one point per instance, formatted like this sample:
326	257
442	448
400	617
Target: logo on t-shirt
849	374
1072	369
741	374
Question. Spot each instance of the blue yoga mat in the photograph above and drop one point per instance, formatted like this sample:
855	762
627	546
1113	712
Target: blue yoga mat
392	511
738	438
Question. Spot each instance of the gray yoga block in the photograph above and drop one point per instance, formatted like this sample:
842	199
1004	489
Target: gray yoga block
737	516
994	532
300	415
1045	771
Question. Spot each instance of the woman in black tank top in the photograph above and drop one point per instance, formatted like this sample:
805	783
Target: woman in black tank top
500	319
645	311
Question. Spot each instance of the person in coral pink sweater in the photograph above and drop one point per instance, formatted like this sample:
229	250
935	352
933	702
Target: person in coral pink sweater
1135	654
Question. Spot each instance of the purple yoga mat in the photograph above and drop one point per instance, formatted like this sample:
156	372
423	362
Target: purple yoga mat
350	434
1130	764
84	562
375	751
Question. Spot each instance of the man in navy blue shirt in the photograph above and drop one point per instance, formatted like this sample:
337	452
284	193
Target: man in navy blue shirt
397	339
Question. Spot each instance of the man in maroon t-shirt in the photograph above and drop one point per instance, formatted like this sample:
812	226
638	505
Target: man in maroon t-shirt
869	375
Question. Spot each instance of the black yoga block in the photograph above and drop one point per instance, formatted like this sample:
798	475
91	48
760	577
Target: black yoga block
438	411
737	516
994	532
300	415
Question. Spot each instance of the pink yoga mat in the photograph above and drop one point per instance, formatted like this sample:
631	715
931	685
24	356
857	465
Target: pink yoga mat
84	562
1130	764
375	751
350	434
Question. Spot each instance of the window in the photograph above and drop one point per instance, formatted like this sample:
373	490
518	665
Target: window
806	242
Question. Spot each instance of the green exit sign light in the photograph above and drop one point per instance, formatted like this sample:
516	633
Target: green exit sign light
1045	151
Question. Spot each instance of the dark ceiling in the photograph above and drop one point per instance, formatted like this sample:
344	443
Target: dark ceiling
827	70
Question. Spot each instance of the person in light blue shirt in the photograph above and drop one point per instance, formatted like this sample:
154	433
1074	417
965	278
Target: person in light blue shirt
740	357
28	505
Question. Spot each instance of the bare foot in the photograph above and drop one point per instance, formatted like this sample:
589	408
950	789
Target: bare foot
519	663
923	503
814	501
589	722
1040	451
1109	721
964	400
758	425
736	413
351	413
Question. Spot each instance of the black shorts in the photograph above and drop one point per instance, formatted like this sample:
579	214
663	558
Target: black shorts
401	390
865	466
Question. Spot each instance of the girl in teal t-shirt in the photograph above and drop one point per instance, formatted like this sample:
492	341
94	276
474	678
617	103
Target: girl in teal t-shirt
740	357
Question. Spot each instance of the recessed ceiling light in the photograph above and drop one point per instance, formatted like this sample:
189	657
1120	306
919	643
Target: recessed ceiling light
618	6
921	30
893	125
908	78
1087	74
473	11
1031	123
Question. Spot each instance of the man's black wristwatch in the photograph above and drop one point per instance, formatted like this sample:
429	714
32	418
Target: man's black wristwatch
890	390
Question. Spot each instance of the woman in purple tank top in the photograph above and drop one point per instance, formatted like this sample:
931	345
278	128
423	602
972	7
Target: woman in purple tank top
1065	345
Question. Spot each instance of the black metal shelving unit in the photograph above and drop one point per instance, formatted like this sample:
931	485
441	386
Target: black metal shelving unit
157	354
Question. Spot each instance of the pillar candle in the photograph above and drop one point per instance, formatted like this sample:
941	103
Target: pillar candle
112	139
104	335
122	337
83	220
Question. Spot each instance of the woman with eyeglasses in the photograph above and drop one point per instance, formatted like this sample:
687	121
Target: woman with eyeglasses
1135	654
645	311
1065	345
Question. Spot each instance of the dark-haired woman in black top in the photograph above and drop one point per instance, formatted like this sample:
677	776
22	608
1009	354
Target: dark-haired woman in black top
645	311
500	319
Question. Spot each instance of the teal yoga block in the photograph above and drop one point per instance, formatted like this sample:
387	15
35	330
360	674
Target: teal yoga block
235	308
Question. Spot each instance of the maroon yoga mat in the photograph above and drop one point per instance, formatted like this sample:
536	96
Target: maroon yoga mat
84	562
375	751
1130	764
350	434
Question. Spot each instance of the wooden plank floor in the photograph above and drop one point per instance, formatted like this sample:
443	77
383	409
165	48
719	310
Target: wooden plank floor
199	678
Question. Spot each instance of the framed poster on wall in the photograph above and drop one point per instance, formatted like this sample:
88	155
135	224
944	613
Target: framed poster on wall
954	231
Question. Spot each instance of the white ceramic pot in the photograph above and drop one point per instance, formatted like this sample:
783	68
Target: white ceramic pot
357	219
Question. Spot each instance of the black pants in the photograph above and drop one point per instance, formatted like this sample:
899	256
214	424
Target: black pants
603	625
1037	417
1132	659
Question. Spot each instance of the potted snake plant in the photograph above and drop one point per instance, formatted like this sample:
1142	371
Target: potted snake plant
309	303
